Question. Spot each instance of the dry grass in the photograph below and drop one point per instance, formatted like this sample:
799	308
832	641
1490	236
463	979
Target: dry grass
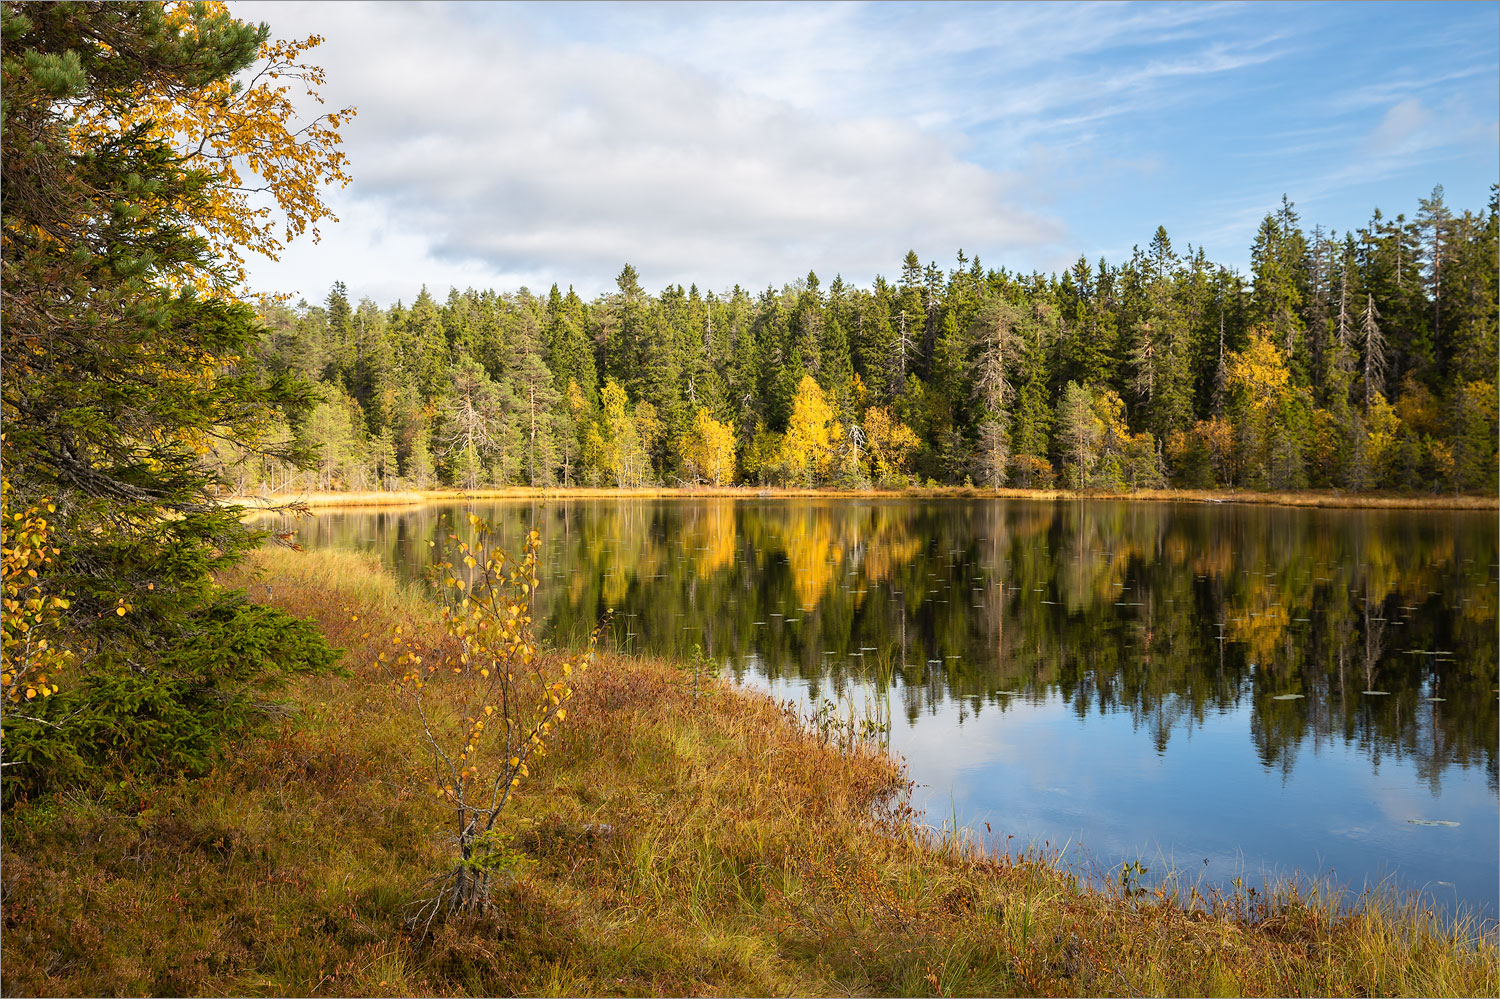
1305	499
663	849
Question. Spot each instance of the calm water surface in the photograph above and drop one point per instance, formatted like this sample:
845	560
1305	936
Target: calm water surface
1229	690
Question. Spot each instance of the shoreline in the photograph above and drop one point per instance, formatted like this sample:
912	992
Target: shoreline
665	845
1307	499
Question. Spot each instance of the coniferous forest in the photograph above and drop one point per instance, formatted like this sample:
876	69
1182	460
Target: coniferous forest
1353	361
231	766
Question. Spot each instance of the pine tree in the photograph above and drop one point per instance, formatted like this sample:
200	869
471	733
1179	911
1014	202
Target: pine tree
1031	419
1278	262
624	356
1078	433
541	404
1319	318
1435	221
992	456
340	339
424	345
999	349
475	428
880	353
1342	366
1473	299
1221	372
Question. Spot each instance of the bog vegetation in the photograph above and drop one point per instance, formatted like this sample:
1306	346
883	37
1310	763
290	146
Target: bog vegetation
666	845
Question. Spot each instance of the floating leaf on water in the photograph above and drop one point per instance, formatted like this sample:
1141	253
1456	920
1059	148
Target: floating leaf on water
1287	697
1381	693
1432	822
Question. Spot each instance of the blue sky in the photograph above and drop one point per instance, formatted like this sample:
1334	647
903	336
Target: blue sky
498	145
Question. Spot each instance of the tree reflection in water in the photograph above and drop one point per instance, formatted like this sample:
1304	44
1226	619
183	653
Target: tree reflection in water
1169	613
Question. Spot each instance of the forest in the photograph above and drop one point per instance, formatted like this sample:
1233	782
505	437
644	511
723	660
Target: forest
220	773
1351	361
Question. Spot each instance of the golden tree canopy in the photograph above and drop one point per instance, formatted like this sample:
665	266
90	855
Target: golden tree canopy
267	165
807	449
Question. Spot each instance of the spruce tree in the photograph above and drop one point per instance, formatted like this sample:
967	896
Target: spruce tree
118	378
1374	353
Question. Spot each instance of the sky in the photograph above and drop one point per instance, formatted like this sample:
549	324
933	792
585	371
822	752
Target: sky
505	145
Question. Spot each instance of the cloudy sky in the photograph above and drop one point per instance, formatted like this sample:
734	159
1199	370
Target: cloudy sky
502	145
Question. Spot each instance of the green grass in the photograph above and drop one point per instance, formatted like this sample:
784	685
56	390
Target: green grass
664	849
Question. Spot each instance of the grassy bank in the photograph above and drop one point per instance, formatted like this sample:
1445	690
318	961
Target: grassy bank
664	848
1304	499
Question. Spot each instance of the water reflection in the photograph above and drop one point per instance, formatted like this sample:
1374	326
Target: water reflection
1323	633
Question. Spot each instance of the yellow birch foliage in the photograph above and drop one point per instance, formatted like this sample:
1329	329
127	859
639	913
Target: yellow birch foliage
1216	436
247	135
32	617
489	705
890	443
1109	410
1259	371
624	452
1383	425
708	449
807	449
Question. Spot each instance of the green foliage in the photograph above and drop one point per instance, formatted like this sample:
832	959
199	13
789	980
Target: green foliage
700	673
974	363
121	381
210	687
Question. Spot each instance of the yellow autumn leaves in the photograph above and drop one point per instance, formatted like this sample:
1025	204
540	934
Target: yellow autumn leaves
488	697
228	131
818	448
708	450
32	618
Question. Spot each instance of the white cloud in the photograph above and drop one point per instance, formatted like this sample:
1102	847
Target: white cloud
506	157
1400	130
500	145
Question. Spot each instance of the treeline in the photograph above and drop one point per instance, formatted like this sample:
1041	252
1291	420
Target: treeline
1360	361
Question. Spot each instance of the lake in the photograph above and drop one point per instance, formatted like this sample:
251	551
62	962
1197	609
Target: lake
1225	690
